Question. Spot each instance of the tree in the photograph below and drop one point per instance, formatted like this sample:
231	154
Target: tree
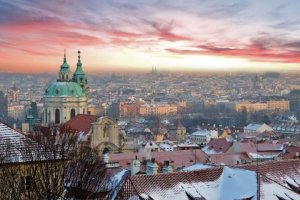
55	167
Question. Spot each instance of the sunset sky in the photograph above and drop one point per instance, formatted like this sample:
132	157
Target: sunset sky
119	35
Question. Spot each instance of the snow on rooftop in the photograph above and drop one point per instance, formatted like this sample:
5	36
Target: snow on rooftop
272	191
242	182
197	166
252	126
209	150
16	147
263	156
201	133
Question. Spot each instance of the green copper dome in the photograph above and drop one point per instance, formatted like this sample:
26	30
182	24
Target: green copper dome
64	89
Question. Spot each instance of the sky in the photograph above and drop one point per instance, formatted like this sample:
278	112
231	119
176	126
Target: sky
134	35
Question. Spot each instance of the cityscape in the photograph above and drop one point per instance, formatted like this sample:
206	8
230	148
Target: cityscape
149	100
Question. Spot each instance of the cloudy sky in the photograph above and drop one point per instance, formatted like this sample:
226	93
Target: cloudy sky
118	35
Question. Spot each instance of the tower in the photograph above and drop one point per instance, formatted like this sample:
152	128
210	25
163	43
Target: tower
79	75
64	72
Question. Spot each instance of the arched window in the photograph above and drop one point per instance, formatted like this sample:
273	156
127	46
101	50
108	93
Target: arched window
104	131
67	77
73	113
84	111
57	116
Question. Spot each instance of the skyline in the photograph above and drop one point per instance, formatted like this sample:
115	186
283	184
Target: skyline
136	35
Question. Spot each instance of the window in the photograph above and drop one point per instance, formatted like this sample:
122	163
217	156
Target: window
25	182
73	113
49	116
57	116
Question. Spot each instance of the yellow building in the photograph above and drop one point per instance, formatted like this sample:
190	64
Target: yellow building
250	106
158	109
271	105
280	105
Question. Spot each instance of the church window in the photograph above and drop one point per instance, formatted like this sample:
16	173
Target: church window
105	131
73	113
67	77
81	79
57	116
46	115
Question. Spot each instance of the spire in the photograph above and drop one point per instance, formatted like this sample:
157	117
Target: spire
79	56
65	58
79	65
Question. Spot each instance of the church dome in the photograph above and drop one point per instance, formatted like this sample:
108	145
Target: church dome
64	89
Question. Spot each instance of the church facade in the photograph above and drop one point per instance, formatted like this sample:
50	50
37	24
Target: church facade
66	97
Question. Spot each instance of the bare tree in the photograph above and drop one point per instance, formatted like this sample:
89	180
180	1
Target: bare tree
55	167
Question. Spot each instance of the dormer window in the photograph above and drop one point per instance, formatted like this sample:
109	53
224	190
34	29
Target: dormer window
56	91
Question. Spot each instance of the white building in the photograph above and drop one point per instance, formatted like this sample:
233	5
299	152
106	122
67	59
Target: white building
200	137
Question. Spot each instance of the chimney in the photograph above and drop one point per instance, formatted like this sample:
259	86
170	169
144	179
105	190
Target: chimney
167	168
152	167
135	166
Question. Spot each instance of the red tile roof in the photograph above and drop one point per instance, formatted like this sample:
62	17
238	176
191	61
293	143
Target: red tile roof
220	145
178	159
290	152
78	123
229	158
158	185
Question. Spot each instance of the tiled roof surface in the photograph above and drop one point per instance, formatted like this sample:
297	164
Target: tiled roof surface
290	152
177	158
17	148
229	158
220	145
79	123
219	182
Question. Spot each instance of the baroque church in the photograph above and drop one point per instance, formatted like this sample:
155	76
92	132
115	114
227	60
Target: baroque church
66	97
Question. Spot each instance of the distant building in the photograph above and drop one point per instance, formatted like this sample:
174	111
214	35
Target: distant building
278	105
4	106
127	109
294	98
257	128
17	112
200	137
269	105
158	109
250	106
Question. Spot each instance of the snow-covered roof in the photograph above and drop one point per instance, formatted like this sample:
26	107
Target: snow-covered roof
17	148
276	179
213	183
253	126
203	133
196	166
